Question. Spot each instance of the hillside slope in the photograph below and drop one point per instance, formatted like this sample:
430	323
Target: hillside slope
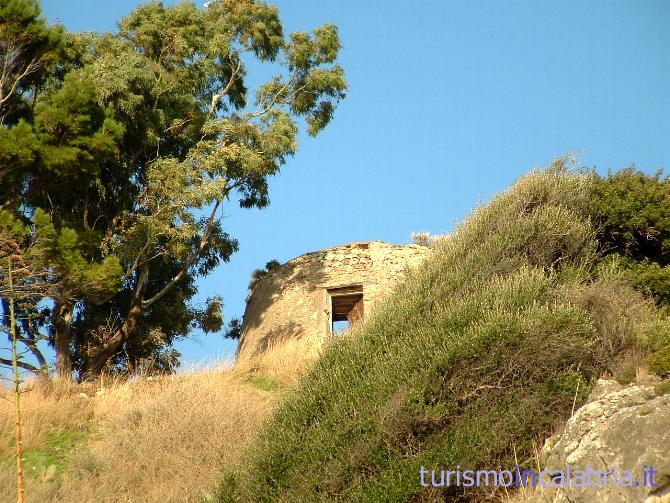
160	439
474	360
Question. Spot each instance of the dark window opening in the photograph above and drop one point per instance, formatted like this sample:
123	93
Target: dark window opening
346	308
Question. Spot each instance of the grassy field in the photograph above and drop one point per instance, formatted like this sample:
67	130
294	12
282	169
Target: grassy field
474	361
160	440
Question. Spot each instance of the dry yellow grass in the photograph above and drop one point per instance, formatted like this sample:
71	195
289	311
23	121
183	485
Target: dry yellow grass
284	362
164	439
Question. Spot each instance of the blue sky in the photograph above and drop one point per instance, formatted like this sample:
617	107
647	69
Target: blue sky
449	103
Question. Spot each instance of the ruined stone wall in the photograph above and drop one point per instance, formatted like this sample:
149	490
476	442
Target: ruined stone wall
293	301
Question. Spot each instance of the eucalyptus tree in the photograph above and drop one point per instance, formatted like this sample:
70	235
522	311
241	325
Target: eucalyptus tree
140	139
28	47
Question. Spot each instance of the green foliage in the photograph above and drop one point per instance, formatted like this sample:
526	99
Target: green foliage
659	362
258	274
76	134
211	318
95	281
658	338
632	212
131	145
474	358
28	46
234	329
648	276
18	146
12	227
264	383
255	24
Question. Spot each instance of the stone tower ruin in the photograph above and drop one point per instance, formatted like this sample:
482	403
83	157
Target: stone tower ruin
322	293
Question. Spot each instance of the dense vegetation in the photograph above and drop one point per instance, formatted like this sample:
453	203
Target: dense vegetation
473	360
631	211
118	152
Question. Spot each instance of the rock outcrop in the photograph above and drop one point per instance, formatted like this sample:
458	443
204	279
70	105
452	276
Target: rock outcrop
620	428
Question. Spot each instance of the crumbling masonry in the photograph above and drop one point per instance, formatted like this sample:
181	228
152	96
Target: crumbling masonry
306	296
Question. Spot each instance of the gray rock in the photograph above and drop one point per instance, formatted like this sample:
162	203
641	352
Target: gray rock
622	428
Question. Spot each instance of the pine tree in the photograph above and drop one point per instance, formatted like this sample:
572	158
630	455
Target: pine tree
135	143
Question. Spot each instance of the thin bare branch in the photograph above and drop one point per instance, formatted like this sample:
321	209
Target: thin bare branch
217	97
32	67
274	99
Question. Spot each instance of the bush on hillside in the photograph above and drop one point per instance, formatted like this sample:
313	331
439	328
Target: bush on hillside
631	211
471	362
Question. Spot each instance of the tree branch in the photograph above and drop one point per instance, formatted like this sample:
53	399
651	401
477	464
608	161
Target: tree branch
136	262
23	365
31	67
30	341
274	99
191	260
217	97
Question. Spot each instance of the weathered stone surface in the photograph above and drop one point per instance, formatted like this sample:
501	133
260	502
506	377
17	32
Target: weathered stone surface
622	427
293	301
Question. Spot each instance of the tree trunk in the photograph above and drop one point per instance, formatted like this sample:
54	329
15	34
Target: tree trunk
63	309
121	335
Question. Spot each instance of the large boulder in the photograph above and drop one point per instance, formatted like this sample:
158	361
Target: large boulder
619	428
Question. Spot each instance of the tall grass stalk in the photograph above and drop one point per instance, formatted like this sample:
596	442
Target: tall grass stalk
17	390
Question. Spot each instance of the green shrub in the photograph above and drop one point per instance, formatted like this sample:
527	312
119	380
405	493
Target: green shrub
659	362
631	211
471	362
662	388
49	460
